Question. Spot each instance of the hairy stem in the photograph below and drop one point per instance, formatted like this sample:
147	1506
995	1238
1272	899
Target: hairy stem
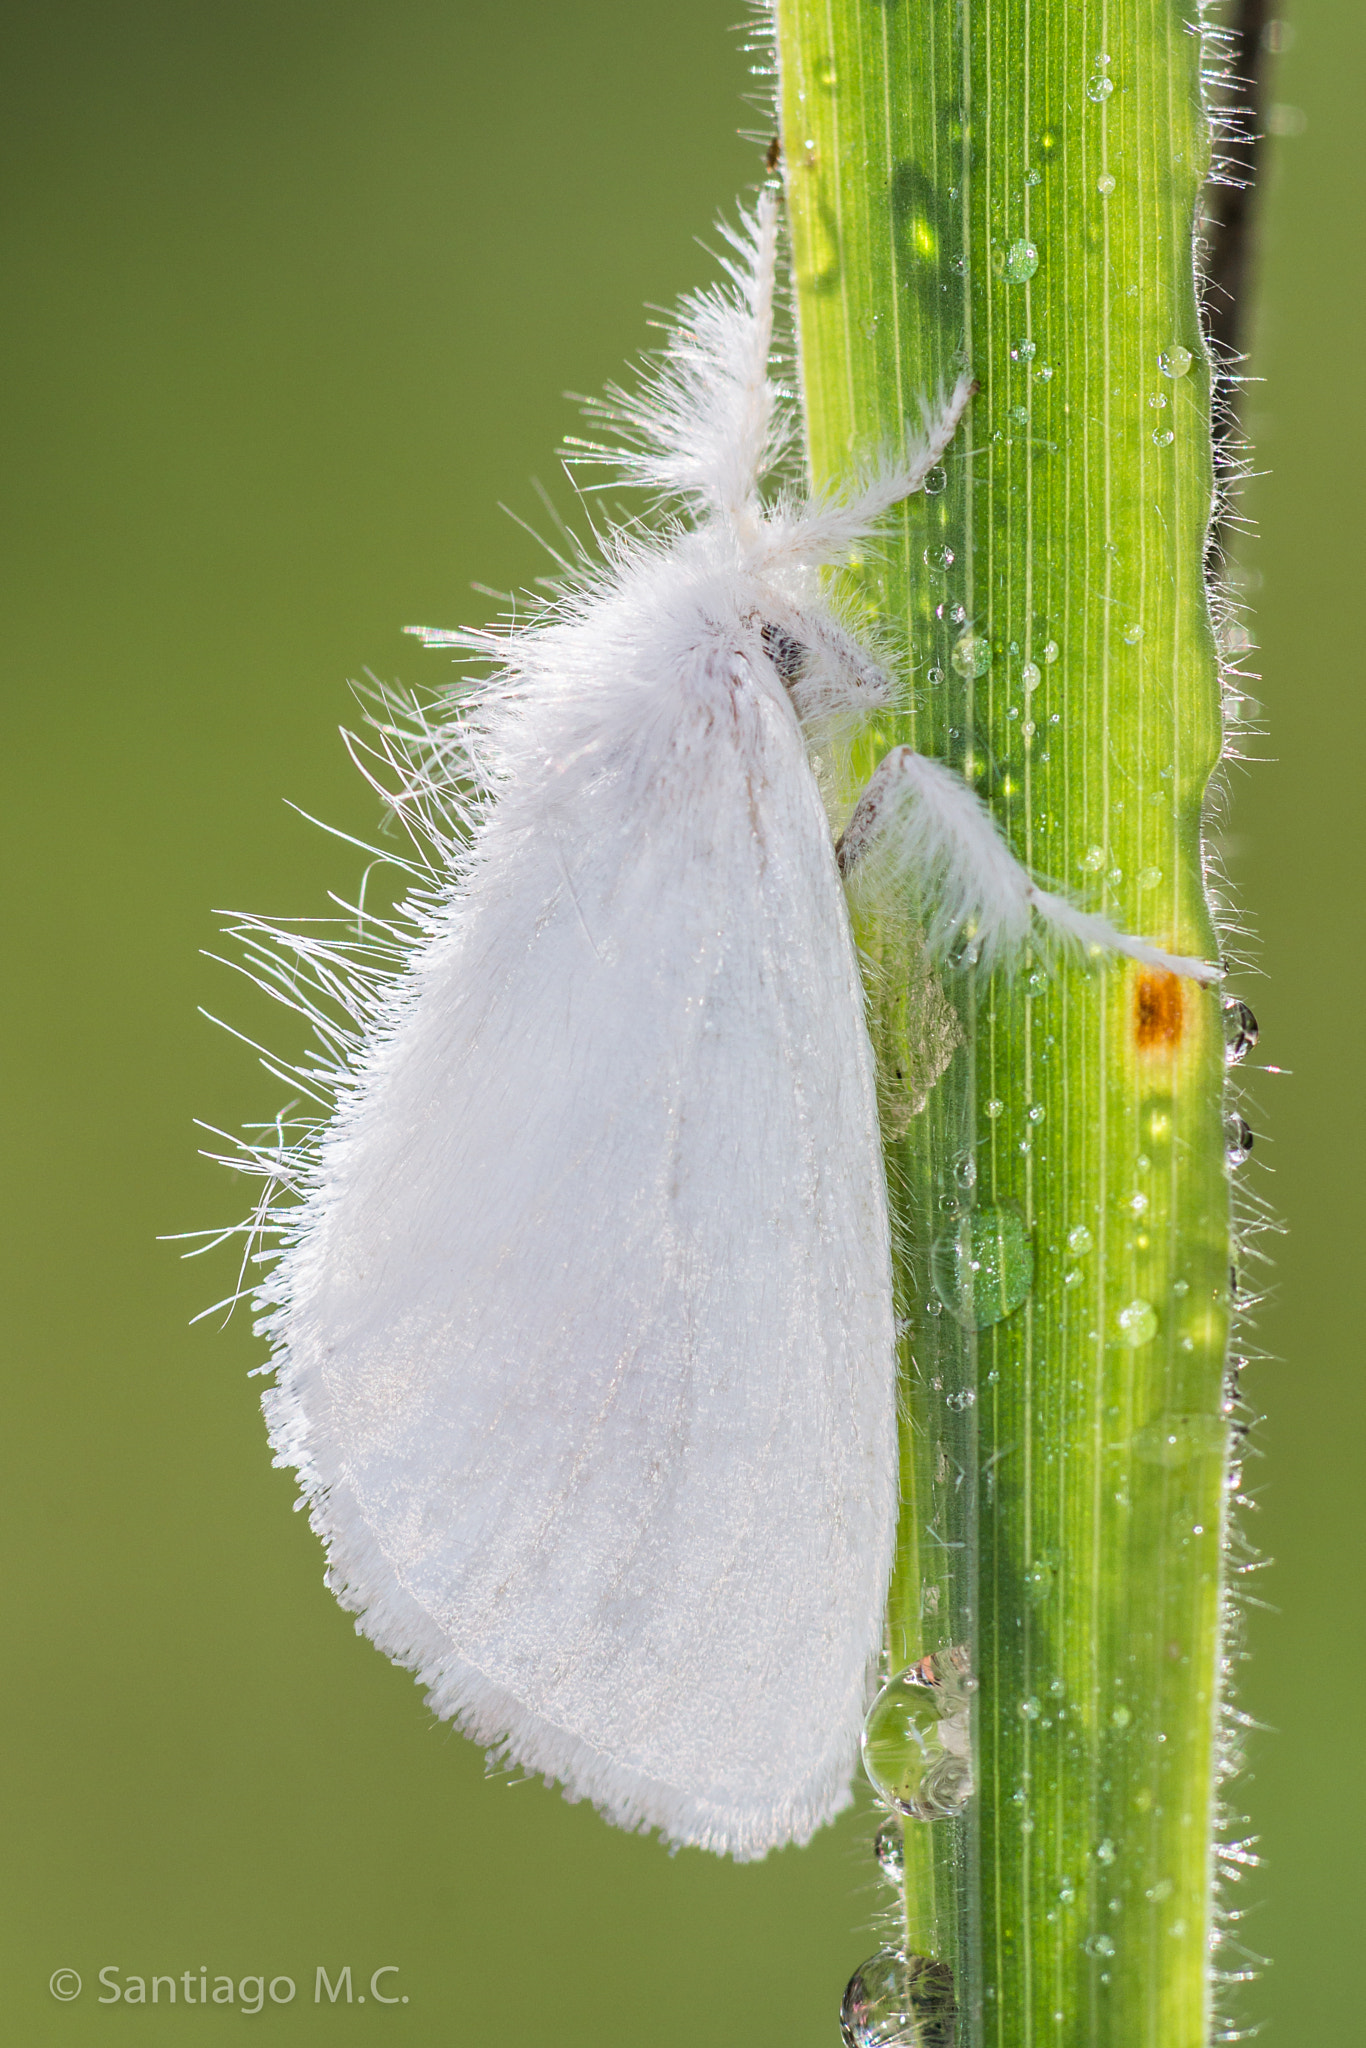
1011	186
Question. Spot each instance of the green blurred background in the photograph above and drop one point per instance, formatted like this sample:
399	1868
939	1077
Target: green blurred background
294	290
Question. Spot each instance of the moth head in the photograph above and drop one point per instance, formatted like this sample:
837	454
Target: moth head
821	666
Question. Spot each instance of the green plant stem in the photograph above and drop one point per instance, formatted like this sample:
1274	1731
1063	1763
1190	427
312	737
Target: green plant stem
1065	1519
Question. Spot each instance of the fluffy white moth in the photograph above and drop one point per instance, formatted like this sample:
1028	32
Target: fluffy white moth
583	1315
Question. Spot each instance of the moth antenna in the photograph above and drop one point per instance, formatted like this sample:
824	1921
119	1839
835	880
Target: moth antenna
823	529
704	424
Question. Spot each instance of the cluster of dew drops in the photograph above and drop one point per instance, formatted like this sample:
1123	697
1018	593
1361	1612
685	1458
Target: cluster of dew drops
917	1754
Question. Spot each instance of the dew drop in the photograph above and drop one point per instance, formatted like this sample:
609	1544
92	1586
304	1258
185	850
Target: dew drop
1067	1891
1044	373
1132	635
984	1268
1079	1240
1023	351
1240	1030
1175	361
934	675
934	483
1039	1580
1022	260
995	1107
917	1738
1031	675
1099	89
896	2000
1138	1324
1050	653
889	1850
1098	1945
971	654
1020	415
1163	1889
1157	400
1163	437
1034	177
1092	861
1106	182
1105	1851
961	1401
940	557
1237	1139
1030	1709
1120	1717
1149	878
1028	729
1036	1112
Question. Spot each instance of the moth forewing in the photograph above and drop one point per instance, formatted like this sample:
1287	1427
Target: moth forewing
587	1330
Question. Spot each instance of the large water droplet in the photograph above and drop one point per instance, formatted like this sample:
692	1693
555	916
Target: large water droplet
1079	1240
895	2000
1031	675
1173	1440
917	1738
1099	89
1023	351
1105	183
1240	1030
984	1268
1175	361
1022	260
1099	1945
1238	1140
1138	1324
940	557
889	1849
1050	653
934	483
971	654
1163	437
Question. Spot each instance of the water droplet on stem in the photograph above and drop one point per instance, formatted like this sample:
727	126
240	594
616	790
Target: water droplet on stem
984	1268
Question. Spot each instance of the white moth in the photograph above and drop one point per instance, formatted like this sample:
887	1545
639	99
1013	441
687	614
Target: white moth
583	1316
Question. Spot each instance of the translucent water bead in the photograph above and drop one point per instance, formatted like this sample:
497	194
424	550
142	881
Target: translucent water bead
984	1267
917	1738
896	2000
1240	1030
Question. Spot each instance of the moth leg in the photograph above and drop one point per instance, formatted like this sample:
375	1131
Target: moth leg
918	821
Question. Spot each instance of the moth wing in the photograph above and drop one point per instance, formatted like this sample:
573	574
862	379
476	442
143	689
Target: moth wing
586	1337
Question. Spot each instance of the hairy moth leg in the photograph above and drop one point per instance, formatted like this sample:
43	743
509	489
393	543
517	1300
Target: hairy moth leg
918	819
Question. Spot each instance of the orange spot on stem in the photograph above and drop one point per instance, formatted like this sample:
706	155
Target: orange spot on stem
1159	1011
